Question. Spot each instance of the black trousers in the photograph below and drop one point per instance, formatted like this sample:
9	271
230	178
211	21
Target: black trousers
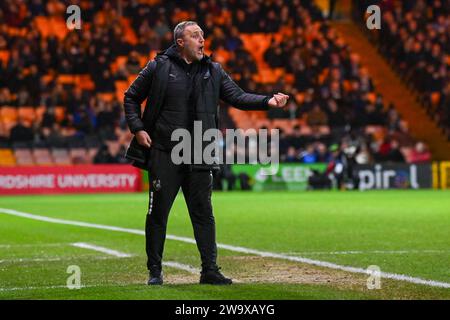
165	180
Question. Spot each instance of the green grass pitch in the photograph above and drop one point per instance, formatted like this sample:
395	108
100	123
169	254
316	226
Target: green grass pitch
402	232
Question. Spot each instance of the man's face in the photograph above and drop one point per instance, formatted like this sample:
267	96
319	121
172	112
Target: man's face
192	43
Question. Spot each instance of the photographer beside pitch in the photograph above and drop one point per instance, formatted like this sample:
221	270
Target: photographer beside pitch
181	85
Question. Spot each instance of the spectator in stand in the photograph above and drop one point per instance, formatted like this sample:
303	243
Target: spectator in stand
420	154
316	117
291	155
395	155
21	132
133	65
336	118
415	39
105	82
110	152
322	154
308	155
309	50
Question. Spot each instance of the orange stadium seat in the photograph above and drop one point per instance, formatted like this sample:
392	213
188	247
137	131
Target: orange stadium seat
108	97
8	114
7	158
39	113
300	97
58	27
60	113
371	96
115	64
284	124
289	78
378	132
222	56
66	79
143	60
435	98
28	114
4	56
130	36
84	82
121	86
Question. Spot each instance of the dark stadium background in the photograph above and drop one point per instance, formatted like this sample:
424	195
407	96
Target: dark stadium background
371	101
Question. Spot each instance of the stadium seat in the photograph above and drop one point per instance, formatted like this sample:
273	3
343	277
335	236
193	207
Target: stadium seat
371	96
91	153
23	157
66	79
121	87
28	114
39	113
289	78
107	96
4	56
7	157
79	156
130	36
42	157
84	82
435	98
61	157
60	113
8	114
305	130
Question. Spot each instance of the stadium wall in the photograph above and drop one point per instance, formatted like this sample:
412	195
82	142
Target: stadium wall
290	176
70	179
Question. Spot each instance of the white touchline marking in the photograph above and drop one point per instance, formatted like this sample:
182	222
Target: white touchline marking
101	249
20	260
40	288
365	252
31	245
318	263
170	264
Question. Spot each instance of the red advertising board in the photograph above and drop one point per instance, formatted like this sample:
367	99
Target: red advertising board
69	179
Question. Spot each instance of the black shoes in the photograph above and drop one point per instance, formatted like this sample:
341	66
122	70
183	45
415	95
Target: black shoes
155	276
213	276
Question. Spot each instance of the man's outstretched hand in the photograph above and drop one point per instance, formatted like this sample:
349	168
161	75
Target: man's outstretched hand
143	138
278	100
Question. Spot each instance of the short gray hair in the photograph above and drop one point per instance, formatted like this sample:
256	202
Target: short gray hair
179	29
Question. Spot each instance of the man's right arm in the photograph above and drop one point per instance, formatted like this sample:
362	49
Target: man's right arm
135	95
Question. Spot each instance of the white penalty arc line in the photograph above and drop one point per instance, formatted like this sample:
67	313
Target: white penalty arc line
181	266
386	275
110	252
170	264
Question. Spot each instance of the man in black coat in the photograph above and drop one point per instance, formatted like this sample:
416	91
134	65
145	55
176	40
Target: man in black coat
181	85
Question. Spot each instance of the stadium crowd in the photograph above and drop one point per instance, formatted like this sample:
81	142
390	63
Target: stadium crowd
70	81
415	38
